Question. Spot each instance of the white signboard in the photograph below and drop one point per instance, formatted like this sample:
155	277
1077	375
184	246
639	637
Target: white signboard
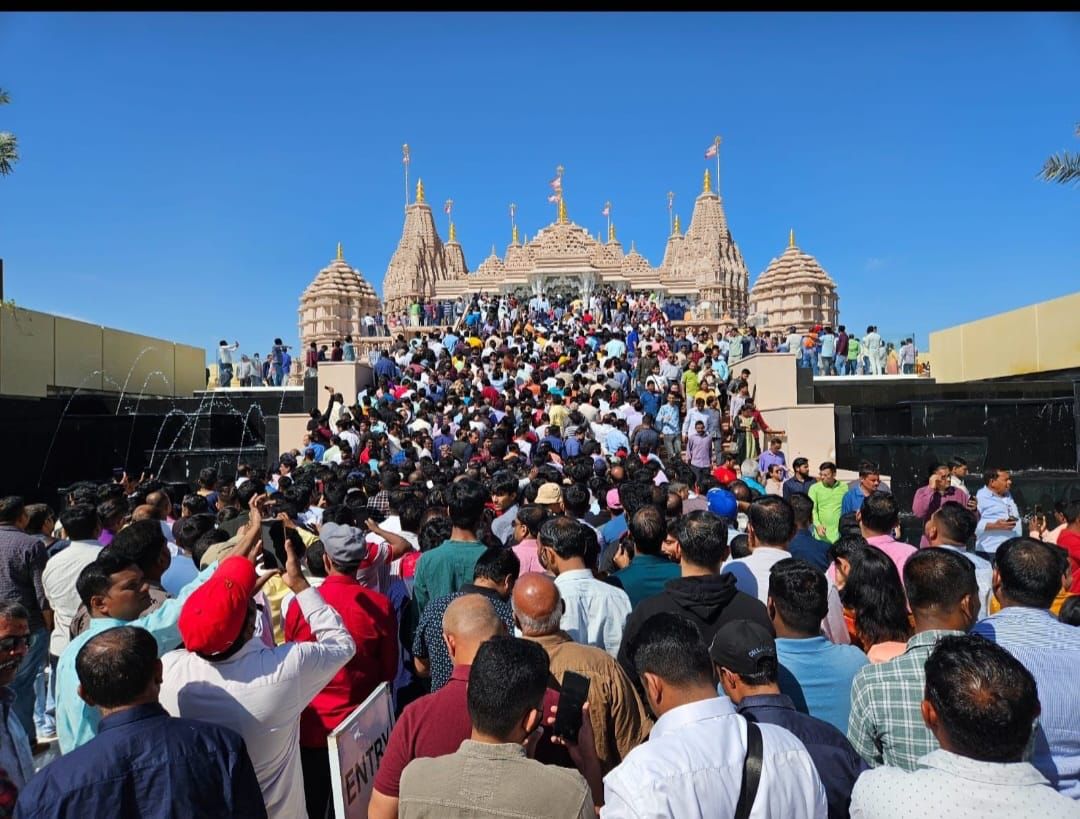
356	747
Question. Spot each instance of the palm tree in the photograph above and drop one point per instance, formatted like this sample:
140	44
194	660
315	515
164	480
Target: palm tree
9	149
1063	167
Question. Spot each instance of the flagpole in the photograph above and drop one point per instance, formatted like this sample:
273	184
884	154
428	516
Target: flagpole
717	142
607	207
405	151
449	208
670	205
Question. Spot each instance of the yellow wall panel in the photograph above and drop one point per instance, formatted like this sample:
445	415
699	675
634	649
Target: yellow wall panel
1058	333
142	358
26	351
189	369
78	355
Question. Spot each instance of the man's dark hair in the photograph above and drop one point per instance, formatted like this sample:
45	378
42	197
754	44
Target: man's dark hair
648	529
207	477
466	499
773	520
116	666
991	473
985	699
956	523
504	483
939	579
956	461
195	504
671	647
827	466
10	610
564	536
11	508
1030	571
313	558
803	509
634	495
497	563
141	543
702	538
799	462
1069	613
245	492
879	512
189	530
204	542
800	593
80	521
507	680
533	516
94	579
576	499
434	532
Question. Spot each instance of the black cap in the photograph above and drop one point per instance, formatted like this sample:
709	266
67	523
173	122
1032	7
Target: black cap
740	644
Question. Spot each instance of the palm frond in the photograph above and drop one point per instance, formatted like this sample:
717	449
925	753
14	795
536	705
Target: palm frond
9	152
1063	168
5	97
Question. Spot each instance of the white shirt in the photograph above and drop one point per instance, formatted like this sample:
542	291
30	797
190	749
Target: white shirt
259	692
751	573
692	767
947	784
595	612
58	579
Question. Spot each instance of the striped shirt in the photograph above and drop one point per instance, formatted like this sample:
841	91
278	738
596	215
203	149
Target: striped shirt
885	725
1050	650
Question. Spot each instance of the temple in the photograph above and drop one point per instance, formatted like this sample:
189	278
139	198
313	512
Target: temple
794	291
334	303
702	269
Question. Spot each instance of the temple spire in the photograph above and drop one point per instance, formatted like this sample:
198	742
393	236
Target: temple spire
453	232
514	236
419	191
340	257
708	182
791	238
562	210
611	232
675	232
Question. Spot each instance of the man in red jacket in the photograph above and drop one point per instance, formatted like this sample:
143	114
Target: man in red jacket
370	620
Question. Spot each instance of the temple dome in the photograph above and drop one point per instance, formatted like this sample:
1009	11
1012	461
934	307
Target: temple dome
794	290
335	302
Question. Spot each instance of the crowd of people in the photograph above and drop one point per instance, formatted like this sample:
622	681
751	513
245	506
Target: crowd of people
508	523
253	371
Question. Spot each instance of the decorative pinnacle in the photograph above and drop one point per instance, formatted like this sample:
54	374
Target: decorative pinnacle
453	232
676	231
514	235
708	182
420	191
611	232
562	210
339	256
791	238
632	248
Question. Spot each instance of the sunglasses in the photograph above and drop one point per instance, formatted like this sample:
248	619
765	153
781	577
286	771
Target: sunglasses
9	644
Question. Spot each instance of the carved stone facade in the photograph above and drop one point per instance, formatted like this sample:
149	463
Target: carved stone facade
794	291
334	304
563	258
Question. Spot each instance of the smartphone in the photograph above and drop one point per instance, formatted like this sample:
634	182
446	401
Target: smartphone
572	698
1038	509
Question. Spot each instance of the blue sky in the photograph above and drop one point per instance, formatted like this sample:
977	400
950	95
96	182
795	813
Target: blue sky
186	175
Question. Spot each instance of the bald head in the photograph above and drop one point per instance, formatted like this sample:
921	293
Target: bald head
537	604
469	621
145	512
160	501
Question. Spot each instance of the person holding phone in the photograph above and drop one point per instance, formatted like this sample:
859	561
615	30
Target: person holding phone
999	516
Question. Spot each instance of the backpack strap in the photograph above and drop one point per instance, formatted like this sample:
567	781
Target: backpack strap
751	773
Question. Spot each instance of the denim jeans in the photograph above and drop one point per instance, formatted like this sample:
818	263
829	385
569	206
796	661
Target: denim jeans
23	684
225	375
45	699
828	365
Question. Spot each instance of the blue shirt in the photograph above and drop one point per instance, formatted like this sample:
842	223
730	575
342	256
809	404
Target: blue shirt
836	761
386	368
145	763
650	402
615	439
1050	650
994	508
852	500
667	419
817	675
77	722
815	552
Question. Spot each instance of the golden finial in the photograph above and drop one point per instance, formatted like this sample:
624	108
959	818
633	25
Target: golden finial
791	238
453	232
676	231
339	256
611	232
419	191
562	211
708	182
514	236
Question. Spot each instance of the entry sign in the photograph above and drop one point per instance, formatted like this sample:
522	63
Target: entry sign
356	747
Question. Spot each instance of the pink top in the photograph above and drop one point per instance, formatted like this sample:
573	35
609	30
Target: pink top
526	553
898	552
883	652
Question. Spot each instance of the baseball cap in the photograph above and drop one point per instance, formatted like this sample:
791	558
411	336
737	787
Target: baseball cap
549	493
613	502
345	545
723	503
740	645
214	614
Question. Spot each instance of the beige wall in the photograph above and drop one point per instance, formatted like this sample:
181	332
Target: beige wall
39	351
1038	338
292	427
345	377
772	378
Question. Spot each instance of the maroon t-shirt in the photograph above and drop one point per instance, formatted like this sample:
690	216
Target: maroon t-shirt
437	724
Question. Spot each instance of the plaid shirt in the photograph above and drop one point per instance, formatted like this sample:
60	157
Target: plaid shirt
22	560
886	725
